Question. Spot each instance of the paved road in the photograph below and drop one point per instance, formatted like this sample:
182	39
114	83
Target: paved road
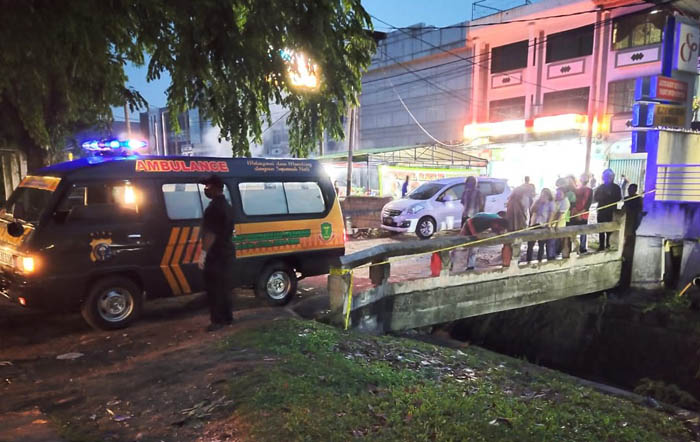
20	327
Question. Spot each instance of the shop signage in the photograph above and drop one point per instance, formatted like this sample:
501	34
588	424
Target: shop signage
658	115
657	87
686	47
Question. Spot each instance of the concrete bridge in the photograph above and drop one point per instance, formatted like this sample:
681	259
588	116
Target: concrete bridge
392	306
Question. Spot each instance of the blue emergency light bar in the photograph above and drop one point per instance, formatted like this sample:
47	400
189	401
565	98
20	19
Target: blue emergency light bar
113	145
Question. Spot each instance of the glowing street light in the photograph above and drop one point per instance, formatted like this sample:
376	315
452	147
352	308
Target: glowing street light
303	73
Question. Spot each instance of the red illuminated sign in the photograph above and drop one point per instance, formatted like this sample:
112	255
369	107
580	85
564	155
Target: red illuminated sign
180	166
671	90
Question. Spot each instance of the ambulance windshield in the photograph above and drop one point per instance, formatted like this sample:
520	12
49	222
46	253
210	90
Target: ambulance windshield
27	204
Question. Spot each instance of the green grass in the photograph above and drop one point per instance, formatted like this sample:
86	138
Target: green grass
322	384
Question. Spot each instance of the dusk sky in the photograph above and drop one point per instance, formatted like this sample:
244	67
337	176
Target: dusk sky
399	13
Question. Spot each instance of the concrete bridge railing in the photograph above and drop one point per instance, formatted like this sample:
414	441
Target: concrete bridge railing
392	306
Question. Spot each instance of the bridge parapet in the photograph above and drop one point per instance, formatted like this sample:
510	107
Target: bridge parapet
392	306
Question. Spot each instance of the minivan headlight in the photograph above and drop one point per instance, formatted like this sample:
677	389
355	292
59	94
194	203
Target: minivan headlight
415	209
25	264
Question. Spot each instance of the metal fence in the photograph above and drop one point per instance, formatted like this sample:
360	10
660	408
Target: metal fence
633	168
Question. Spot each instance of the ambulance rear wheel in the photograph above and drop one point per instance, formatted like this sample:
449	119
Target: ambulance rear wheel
277	283
114	302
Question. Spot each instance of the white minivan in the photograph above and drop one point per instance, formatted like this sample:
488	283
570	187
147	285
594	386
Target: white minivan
437	205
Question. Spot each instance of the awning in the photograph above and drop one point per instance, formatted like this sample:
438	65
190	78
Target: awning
433	155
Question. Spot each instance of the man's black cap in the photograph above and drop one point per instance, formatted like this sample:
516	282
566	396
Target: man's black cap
213	180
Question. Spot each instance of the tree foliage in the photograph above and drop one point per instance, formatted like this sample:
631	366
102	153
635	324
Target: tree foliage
62	64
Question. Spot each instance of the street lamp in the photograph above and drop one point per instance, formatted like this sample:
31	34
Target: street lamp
302	72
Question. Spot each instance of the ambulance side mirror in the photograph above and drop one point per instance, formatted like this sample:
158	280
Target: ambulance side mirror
15	229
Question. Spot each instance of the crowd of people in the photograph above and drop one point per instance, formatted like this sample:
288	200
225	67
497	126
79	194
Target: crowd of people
567	204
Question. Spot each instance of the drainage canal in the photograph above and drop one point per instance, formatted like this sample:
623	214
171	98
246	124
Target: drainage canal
645	342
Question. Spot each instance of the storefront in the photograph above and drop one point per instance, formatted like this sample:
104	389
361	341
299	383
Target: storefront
382	172
544	149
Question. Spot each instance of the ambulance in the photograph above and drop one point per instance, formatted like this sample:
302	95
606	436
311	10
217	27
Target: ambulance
103	234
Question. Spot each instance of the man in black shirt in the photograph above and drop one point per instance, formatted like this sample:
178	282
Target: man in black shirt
218	253
606	194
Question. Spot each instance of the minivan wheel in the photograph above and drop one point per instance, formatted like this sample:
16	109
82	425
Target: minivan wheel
277	283
114	302
425	228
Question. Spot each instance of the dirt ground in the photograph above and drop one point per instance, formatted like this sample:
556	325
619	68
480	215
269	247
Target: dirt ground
160	379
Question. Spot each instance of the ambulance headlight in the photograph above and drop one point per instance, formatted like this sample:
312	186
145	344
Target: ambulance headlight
28	264
25	264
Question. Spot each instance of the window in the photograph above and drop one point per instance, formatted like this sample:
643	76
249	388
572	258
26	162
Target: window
454	193
488	188
570	44
28	204
509	57
640	29
187	200
98	201
621	96
572	101
508	109
281	198
425	191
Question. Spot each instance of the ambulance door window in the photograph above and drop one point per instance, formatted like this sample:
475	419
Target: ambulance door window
99	202
304	197
290	198
263	199
187	200
182	201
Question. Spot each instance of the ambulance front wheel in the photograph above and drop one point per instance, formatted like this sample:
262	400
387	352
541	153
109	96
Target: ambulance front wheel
113	302
277	283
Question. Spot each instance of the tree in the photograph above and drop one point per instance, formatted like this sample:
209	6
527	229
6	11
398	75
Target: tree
62	64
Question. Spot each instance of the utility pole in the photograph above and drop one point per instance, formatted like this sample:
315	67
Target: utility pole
320	144
593	91
126	120
351	142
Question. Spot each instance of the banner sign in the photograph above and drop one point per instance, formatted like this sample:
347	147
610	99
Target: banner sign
657	87
658	115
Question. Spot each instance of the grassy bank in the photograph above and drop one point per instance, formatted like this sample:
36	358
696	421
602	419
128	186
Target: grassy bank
319	383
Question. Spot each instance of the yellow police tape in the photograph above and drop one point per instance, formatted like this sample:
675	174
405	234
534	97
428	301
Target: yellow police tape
504	234
336	271
685	289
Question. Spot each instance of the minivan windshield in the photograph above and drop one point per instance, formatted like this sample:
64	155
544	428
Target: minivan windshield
425	191
27	204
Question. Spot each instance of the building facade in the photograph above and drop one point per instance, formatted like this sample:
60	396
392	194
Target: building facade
543	71
417	88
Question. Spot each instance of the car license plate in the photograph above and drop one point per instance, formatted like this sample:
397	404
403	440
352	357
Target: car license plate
5	258
388	220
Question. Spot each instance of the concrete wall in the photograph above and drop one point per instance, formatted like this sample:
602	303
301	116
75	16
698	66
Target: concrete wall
391	306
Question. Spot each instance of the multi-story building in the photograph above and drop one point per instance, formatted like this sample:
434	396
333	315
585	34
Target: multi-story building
417	88
542	71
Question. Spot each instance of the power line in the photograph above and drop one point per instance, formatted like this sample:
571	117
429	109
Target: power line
418	123
471	57
523	20
489	58
275	122
451	93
